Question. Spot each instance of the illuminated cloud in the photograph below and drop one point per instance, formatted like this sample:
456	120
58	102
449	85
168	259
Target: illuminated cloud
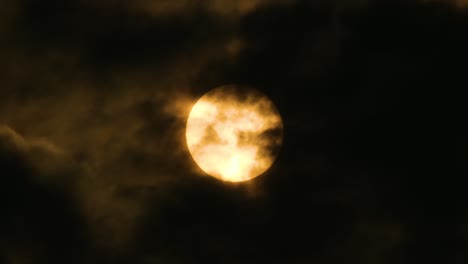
94	96
227	136
39	153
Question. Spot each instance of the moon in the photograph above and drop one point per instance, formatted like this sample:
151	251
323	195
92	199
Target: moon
234	133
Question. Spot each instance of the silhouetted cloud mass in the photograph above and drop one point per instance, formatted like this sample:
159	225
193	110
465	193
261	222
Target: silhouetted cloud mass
94	96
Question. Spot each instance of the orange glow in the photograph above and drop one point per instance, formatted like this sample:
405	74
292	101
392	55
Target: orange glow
230	135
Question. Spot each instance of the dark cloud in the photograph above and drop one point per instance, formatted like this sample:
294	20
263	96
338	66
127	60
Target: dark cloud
93	101
40	222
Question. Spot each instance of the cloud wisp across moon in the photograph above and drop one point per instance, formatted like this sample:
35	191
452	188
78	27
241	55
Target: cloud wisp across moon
234	133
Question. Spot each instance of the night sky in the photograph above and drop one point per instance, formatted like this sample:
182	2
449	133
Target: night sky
95	94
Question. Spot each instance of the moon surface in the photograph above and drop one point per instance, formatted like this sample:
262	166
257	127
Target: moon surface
234	133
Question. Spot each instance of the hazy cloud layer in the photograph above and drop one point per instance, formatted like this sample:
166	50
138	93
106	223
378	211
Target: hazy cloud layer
94	96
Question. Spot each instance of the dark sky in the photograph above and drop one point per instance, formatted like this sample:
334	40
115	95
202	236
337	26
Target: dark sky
94	96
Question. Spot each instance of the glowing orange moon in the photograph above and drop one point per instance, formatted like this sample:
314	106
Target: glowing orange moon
234	133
